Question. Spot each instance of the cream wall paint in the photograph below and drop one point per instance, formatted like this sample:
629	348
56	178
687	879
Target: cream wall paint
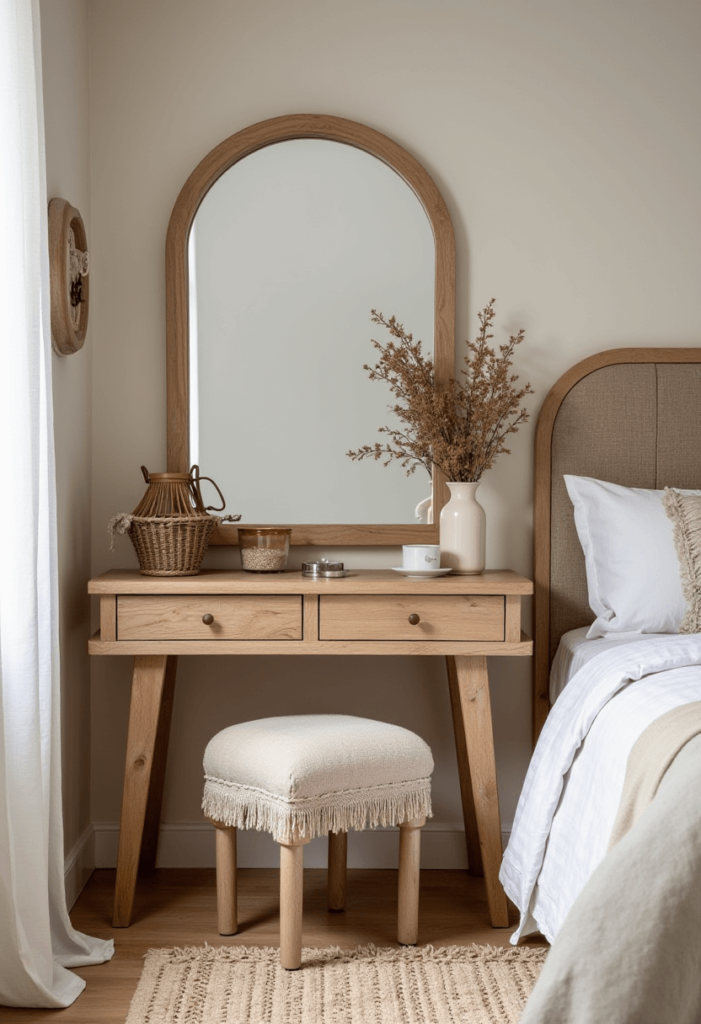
64	29
565	139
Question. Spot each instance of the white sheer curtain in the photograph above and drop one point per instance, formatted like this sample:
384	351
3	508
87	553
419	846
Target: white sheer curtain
37	941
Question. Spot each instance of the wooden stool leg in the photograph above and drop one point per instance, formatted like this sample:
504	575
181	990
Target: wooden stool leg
291	901
227	912
409	862
338	855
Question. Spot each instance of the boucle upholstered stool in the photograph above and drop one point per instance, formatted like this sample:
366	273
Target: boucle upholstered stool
302	776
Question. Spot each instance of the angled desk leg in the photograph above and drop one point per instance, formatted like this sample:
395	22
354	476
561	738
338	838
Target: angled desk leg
149	842
147	743
468	676
472	839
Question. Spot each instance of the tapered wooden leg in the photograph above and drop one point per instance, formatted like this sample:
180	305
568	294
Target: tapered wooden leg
291	902
473	688
149	842
409	864
148	690
227	912
472	839
336	881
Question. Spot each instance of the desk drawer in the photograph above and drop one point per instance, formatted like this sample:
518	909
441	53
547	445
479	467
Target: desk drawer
386	617
235	617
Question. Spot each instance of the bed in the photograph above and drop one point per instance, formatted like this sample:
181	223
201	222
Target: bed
617	687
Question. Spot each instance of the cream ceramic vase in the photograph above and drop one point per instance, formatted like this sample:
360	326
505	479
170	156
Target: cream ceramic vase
462	530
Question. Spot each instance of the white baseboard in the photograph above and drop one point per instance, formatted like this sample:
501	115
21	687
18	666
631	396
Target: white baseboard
191	845
78	865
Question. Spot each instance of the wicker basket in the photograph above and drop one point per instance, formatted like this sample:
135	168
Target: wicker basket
170	546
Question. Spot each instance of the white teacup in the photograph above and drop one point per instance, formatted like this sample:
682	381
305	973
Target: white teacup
421	556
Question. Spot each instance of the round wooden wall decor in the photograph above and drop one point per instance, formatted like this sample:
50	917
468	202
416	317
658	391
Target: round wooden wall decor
69	264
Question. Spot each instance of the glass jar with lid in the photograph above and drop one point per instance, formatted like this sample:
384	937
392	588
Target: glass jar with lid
264	548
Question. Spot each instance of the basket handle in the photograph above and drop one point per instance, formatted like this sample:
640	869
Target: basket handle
147	477
196	481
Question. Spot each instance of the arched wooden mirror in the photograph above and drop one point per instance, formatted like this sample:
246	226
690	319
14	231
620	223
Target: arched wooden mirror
280	243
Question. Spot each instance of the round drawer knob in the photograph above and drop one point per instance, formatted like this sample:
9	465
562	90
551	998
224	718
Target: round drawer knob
414	619
208	619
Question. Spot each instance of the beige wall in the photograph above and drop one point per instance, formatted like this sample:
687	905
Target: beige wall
64	26
565	140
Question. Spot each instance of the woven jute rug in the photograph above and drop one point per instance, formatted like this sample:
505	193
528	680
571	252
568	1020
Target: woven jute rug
368	985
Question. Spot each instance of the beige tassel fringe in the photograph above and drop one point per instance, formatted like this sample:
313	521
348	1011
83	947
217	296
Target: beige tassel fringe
249	808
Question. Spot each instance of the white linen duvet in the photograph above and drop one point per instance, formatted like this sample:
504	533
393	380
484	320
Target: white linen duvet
573	786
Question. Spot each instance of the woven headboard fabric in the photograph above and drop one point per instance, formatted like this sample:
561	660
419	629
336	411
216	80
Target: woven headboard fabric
629	416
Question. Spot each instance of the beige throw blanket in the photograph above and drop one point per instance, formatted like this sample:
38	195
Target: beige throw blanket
653	753
628	952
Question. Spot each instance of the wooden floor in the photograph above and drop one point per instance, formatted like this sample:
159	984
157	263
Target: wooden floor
178	908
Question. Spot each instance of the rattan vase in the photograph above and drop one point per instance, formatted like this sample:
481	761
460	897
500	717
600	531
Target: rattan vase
170	527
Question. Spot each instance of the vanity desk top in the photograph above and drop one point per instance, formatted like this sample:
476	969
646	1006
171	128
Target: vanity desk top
358	581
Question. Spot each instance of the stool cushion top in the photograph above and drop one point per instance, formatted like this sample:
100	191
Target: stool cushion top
299	776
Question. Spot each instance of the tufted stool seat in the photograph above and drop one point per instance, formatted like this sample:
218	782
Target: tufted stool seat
302	776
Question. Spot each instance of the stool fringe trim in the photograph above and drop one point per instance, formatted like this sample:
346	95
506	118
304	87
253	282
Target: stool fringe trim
248	808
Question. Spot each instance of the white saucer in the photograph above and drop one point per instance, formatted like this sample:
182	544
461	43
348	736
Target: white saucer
420	574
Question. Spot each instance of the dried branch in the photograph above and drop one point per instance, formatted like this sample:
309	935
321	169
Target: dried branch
461	428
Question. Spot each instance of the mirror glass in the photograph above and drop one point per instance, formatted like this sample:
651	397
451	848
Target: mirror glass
289	252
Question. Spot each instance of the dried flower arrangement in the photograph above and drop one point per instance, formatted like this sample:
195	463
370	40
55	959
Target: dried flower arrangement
460	428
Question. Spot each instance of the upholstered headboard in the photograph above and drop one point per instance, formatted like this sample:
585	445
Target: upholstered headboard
631	416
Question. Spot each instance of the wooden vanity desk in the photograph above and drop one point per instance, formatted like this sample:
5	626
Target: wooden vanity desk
155	619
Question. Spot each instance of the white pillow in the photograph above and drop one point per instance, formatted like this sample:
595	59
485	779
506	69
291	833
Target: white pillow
633	575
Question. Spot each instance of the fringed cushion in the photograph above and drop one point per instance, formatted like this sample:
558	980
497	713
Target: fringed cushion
301	776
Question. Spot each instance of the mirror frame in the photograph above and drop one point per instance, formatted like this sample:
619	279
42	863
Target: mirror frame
207	172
